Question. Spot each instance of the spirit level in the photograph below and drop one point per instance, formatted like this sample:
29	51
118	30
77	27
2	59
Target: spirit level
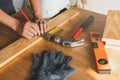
101	59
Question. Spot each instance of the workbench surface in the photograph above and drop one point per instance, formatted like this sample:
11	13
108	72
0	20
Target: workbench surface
83	57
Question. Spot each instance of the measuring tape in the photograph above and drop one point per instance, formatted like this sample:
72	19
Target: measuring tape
101	59
52	33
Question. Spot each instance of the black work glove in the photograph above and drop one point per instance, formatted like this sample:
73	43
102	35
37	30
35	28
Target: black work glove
55	60
63	70
40	64
51	67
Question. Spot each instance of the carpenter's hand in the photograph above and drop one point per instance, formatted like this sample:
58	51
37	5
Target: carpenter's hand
42	25
28	30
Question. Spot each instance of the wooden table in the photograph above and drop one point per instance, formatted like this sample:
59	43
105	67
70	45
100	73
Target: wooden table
83	58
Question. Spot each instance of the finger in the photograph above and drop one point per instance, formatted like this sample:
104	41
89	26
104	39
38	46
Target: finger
65	73
36	60
55	77
44	27
37	29
52	56
28	34
47	59
41	27
36	65
67	60
33	31
45	62
68	72
47	28
59	57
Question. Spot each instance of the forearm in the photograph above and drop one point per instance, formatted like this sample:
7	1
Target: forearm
36	6
8	20
27	29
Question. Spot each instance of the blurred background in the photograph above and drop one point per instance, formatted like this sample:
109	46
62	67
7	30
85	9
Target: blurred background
99	6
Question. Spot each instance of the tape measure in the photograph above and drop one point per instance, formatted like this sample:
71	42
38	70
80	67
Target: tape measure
52	33
101	59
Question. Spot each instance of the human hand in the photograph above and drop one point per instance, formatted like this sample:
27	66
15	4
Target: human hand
28	29
42	24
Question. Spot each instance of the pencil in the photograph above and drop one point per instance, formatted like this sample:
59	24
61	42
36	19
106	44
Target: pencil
25	16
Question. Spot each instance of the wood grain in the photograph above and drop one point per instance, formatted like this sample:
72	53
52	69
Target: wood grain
7	34
18	47
83	57
111	33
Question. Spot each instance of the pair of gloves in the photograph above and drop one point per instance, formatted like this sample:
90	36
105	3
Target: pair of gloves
51	66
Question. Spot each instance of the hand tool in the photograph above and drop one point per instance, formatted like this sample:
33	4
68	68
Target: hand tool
53	36
25	16
68	43
50	34
103	66
82	26
71	42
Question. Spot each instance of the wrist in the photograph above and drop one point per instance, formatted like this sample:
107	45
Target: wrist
18	27
37	15
37	18
15	25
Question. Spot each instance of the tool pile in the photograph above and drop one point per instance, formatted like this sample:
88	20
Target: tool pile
69	42
53	35
51	66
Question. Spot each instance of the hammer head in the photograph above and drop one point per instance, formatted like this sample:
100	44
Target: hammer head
71	43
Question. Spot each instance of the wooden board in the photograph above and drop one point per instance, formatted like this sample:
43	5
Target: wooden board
83	57
111	33
7	34
18	47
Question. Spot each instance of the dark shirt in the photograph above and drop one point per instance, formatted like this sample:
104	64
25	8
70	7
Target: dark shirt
7	6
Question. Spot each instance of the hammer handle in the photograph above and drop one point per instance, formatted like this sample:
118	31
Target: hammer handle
76	33
82	26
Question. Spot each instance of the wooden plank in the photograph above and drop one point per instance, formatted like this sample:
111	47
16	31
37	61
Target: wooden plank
111	33
83	57
7	35
18	47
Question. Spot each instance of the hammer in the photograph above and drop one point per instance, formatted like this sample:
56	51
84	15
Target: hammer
71	42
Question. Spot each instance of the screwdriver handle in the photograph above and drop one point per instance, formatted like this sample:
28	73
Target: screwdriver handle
85	24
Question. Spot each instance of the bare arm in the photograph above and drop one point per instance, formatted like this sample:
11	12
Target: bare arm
8	20
27	30
36	6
